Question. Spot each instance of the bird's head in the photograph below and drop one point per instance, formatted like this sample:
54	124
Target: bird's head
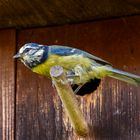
32	54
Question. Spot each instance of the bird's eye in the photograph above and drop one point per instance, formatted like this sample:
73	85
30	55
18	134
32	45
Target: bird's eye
26	50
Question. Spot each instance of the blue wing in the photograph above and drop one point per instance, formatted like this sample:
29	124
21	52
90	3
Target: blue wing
66	51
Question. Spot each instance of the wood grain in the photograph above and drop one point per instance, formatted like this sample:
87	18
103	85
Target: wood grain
69	101
38	13
113	111
7	84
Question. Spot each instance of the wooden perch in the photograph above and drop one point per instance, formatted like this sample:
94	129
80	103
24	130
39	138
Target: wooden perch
69	101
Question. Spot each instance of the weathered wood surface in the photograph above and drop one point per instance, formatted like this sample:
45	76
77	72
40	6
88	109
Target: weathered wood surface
113	111
69	101
7	84
25	13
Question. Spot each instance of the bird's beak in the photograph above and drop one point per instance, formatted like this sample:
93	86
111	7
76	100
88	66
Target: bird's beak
18	55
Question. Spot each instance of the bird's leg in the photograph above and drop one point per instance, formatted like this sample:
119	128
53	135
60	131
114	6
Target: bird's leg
78	88
79	70
75	76
72	75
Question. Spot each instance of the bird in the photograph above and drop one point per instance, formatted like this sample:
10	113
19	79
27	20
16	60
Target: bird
83	70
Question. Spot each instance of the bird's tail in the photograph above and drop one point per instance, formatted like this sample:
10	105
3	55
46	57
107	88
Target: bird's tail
123	76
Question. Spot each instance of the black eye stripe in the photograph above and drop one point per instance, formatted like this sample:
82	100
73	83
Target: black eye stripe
26	50
29	49
32	48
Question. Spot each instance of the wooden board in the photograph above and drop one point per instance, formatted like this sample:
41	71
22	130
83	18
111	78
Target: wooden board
113	111
7	84
38	13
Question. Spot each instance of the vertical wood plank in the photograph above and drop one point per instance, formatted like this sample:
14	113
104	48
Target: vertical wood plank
7	84
113	111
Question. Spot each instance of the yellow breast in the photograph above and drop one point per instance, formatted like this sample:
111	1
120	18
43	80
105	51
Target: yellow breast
67	62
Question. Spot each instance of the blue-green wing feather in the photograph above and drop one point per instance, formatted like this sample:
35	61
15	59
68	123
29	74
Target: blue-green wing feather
66	51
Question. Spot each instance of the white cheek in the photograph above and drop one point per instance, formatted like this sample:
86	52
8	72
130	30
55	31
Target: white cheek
38	53
27	58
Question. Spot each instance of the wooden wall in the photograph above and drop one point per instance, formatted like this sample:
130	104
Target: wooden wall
38	13
7	84
30	109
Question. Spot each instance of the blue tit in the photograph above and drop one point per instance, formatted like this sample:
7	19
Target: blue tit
83	70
